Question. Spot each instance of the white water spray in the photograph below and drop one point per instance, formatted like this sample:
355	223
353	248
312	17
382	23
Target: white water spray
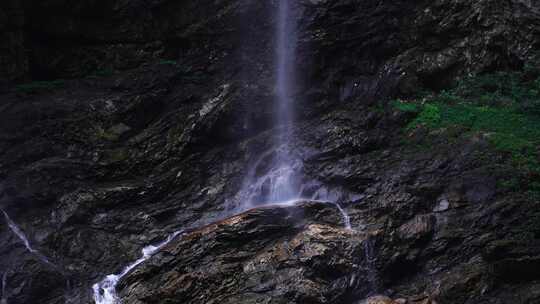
274	177
282	184
346	218
105	290
20	234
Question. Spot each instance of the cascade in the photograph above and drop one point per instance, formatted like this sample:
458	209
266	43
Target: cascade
3	299
369	255
346	218
280	183
105	290
20	234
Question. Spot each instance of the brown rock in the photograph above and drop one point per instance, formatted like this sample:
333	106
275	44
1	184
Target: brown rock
417	228
378	300
273	254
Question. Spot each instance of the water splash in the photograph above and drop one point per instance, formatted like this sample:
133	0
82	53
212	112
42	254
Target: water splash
20	234
345	215
105	290
280	181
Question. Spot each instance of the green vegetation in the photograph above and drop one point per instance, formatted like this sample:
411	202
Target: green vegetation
101	134
167	62
39	86
103	72
502	107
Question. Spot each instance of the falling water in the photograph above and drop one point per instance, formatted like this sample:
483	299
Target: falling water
281	182
285	71
20	234
3	299
369	254
345	215
105	290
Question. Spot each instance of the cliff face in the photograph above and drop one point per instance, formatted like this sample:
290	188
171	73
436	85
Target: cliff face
164	107
442	38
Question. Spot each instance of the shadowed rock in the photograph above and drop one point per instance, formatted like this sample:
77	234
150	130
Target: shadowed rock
274	254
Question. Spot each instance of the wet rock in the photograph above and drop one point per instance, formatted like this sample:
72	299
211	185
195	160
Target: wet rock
377	300
418	228
278	254
442	205
513	260
92	193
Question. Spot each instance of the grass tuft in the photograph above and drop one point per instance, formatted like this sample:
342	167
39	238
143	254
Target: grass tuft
39	86
504	107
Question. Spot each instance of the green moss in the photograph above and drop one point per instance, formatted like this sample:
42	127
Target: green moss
39	86
101	134
405	106
167	62
430	116
503	107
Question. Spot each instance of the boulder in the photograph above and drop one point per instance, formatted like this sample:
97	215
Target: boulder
271	254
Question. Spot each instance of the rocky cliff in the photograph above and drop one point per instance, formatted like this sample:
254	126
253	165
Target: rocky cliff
122	122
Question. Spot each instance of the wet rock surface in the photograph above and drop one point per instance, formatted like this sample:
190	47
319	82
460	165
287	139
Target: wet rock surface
272	254
98	168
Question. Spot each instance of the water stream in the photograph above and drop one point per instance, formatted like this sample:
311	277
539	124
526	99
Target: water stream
281	182
370	256
105	290
20	234
3	299
345	215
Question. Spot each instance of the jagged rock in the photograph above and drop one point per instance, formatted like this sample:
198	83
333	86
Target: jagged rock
417	228
377	300
272	254
101	166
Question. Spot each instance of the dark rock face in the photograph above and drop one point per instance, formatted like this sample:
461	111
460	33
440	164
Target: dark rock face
292	254
12	53
349	42
101	166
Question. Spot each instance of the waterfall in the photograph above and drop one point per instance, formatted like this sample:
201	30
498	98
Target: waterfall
105	290
345	215
3	299
285	68
20	234
282	183
369	255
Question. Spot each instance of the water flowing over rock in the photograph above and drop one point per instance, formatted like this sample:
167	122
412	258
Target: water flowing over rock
20	234
306	236
3	299
105	291
122	122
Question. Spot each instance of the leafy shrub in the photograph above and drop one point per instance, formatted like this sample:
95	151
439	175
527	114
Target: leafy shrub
504	107
430	116
405	106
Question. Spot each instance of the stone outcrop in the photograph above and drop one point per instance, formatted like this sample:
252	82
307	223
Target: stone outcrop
275	254
103	164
